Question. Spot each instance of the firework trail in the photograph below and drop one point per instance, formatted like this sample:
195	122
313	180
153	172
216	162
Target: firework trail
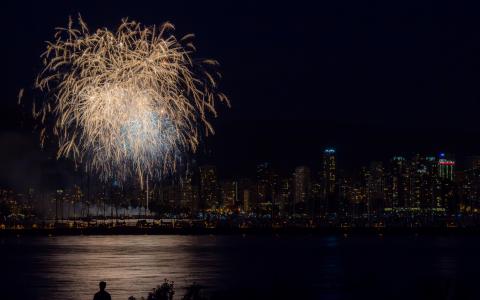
126	103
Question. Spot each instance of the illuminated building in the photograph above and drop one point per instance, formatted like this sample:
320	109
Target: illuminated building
329	203
171	196
285	196
470	186
246	200
266	188
422	182
445	196
345	186
208	187
329	170
446	165
267	183
262	182
317	196
229	193
195	199
397	185
357	199
187	193
376	187
302	184
245	189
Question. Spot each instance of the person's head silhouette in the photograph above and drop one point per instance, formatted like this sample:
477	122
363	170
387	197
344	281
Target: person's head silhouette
102	294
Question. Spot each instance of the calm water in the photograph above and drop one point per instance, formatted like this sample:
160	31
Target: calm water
309	267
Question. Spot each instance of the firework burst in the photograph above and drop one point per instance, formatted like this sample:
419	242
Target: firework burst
125	103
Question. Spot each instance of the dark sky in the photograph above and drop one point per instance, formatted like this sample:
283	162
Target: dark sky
372	79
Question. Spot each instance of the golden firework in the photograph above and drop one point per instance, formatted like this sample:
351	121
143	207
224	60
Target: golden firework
125	103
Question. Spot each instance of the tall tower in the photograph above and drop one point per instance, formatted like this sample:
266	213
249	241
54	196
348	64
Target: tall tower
285	195
375	187
267	183
229	193
263	188
302	184
446	165
398	184
208	187
186	192
329	170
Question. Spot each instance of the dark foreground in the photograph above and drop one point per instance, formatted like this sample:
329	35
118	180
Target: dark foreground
243	266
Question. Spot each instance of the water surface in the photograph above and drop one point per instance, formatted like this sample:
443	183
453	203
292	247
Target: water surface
262	267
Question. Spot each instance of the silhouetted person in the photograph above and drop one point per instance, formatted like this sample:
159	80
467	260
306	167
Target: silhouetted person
102	294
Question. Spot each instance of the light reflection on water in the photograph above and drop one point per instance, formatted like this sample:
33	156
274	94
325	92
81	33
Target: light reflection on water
332	267
71	267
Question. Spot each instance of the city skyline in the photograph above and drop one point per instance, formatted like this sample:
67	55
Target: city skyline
420	184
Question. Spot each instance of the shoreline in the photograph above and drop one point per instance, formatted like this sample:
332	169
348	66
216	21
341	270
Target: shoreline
239	231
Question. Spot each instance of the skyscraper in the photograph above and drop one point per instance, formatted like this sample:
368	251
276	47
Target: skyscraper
267	183
424	181
329	170
376	187
229	193
266	188
187	194
329	203
245	189
208	187
446	164
263	190
285	196
398	184
246	200
302	184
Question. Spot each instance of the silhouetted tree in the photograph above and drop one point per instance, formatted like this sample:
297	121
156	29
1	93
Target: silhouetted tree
167	290
163	292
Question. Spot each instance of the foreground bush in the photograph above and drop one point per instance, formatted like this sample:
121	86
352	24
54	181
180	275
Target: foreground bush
166	291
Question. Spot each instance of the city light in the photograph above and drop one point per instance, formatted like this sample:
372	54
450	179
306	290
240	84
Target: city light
329	150
388	193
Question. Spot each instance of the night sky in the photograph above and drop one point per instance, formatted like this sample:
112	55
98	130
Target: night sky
372	79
